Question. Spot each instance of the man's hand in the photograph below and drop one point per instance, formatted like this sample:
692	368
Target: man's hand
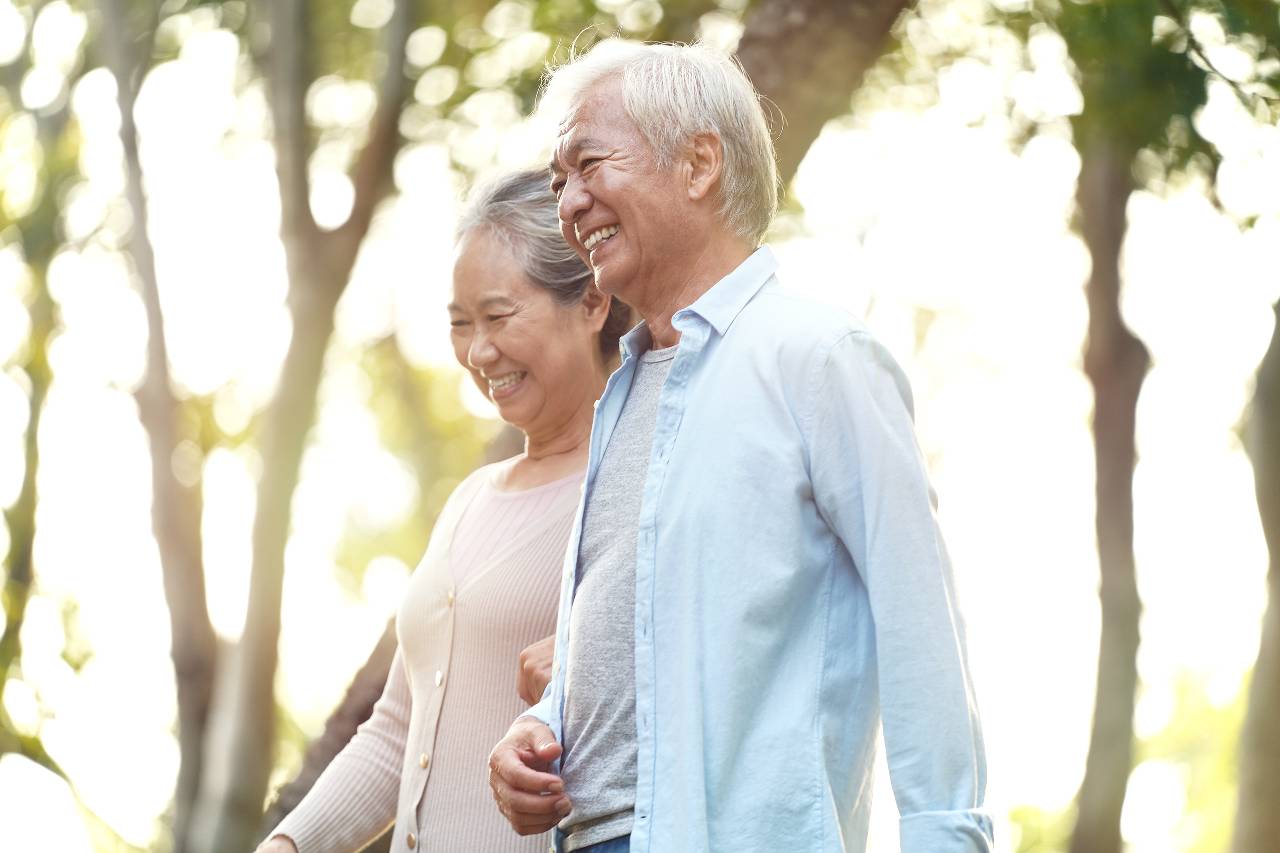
535	669
528	796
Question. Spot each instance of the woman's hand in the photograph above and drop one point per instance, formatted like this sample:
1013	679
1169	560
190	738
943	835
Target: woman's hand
277	844
535	669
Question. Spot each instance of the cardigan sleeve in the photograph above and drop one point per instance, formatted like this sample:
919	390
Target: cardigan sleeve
354	800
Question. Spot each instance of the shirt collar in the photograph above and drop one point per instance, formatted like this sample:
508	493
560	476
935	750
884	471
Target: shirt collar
720	305
635	341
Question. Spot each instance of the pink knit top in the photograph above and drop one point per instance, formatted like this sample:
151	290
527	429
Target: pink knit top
487	587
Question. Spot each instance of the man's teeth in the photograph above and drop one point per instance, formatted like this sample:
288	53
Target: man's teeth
596	236
505	381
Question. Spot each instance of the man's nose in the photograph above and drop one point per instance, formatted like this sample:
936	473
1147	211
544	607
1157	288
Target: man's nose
574	199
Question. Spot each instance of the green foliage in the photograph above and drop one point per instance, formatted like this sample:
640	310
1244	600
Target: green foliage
1132	87
1041	831
421	421
1143	73
1202	737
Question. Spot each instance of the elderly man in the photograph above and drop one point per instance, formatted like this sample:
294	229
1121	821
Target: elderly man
756	578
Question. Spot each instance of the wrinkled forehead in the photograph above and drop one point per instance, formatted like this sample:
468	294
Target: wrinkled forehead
595	111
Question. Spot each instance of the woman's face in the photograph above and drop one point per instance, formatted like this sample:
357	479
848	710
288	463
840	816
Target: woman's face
538	361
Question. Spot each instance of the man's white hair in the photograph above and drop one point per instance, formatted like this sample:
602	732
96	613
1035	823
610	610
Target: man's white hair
674	91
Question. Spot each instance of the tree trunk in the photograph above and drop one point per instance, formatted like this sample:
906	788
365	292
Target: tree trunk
808	57
175	506
240	767
1258	819
1116	364
831	47
240	758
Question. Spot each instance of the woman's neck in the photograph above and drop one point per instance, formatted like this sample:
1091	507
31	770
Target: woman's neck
552	455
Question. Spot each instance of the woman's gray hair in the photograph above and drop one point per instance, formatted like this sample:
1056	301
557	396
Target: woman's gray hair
520	210
673	92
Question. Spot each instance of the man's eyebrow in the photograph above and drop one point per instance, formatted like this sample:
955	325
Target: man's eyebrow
571	152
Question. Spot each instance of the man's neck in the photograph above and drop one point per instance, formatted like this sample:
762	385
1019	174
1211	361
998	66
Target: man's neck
714	260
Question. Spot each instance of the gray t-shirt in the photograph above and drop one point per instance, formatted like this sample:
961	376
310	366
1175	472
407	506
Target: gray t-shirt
599	765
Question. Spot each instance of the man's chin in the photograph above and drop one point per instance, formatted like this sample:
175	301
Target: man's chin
608	280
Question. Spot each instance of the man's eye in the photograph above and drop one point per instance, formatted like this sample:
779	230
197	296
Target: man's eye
556	187
589	162
493	318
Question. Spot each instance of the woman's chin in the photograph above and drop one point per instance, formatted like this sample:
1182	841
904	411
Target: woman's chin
512	409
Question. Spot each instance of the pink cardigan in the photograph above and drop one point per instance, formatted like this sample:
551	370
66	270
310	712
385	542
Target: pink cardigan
421	760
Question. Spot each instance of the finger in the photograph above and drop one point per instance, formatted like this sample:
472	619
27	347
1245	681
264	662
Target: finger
548	750
518	776
534	805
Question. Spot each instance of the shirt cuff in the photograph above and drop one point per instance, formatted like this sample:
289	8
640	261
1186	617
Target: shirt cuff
540	712
959	831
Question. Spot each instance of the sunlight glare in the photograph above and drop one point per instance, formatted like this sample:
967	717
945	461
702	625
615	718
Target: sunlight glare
1153	804
56	36
13	33
227	533
47	802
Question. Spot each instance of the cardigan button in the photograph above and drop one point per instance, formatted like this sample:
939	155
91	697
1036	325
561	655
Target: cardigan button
439	678
423	761
451	596
412	841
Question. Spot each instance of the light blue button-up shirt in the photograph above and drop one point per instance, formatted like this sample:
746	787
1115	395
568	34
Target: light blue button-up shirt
792	591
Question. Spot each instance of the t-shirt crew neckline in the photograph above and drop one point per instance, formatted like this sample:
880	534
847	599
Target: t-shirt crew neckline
663	354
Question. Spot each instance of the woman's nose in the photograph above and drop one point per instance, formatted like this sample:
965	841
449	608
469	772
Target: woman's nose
482	351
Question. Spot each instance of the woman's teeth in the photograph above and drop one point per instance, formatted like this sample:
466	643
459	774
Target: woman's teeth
596	237
505	381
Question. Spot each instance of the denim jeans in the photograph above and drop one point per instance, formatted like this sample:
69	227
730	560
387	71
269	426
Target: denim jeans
613	845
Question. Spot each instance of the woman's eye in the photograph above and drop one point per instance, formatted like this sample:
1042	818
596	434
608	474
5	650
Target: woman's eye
493	318
458	324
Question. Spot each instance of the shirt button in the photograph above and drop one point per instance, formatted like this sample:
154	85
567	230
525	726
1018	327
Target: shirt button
439	678
423	761
412	841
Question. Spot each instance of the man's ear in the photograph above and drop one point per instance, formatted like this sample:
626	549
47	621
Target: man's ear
595	307
705	165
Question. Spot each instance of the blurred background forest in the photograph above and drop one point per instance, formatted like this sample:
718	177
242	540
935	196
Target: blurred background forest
229	411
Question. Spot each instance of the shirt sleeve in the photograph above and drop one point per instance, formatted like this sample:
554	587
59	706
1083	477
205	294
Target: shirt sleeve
355	798
871	488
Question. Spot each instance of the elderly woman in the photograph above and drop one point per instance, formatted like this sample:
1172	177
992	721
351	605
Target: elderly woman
536	336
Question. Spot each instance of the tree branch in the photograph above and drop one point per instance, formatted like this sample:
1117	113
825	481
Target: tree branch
288	72
175	507
1197	49
373	168
808	57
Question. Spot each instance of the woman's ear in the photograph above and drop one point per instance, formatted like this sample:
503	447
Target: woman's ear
705	165
595	307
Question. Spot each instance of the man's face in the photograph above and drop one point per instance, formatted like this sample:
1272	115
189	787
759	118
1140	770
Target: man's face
618	210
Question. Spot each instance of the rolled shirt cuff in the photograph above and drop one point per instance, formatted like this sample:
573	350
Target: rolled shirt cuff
958	831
